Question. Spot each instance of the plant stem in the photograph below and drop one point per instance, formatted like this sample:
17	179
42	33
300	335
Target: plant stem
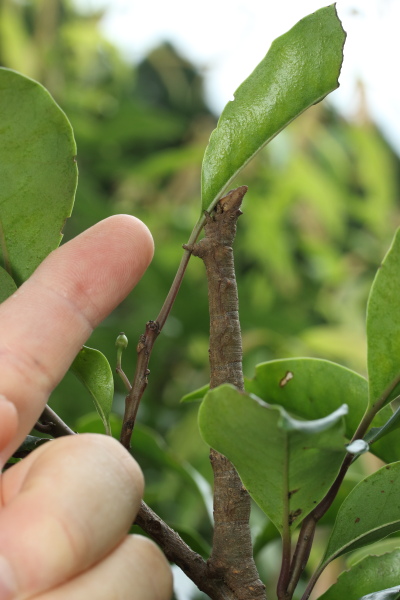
49	422
286	540
232	554
178	552
147	341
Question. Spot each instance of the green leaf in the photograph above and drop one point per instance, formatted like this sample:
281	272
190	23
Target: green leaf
90	423
38	174
286	465
300	69
383	329
93	369
310	388
371	574
30	443
376	433
7	285
369	513
196	394
379	548
193	539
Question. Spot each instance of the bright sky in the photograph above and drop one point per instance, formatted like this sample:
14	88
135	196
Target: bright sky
226	39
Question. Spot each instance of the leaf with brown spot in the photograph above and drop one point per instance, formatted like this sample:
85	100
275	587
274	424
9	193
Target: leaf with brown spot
265	443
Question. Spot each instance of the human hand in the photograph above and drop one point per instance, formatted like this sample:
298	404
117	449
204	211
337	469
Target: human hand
65	509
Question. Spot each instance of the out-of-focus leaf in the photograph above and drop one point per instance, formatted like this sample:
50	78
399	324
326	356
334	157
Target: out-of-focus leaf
369	513
7	285
376	433
300	69
310	387
267	534
383	329
30	443
38	173
93	369
196	394
384	546
369	575
152	445
193	539
90	423
287	465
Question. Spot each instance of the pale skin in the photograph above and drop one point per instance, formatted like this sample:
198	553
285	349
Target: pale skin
65	510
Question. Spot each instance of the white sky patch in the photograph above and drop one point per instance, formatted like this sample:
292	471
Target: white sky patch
226	39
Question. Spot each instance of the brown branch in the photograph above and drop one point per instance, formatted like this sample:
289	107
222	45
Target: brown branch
146	343
232	554
49	422
178	552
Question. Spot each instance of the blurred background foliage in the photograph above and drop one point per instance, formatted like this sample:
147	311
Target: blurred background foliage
322	207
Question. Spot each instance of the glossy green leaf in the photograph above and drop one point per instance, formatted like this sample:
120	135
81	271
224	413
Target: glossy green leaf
7	285
369	575
369	513
287	465
310	388
300	69
383	329
38	173
93	369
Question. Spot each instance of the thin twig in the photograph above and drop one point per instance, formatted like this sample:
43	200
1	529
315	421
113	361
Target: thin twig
49	422
146	343
124	378
178	552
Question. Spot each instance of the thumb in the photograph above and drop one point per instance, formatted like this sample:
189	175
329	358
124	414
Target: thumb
8	424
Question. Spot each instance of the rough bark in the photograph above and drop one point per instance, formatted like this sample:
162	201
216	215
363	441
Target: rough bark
232	553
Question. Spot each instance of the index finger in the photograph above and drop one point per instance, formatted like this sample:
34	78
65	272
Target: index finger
44	324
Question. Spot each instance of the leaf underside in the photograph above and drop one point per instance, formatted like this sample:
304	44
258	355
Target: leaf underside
93	369
275	455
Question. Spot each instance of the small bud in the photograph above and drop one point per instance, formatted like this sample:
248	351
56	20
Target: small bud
121	341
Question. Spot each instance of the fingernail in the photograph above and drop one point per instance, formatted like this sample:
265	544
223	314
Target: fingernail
8	588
